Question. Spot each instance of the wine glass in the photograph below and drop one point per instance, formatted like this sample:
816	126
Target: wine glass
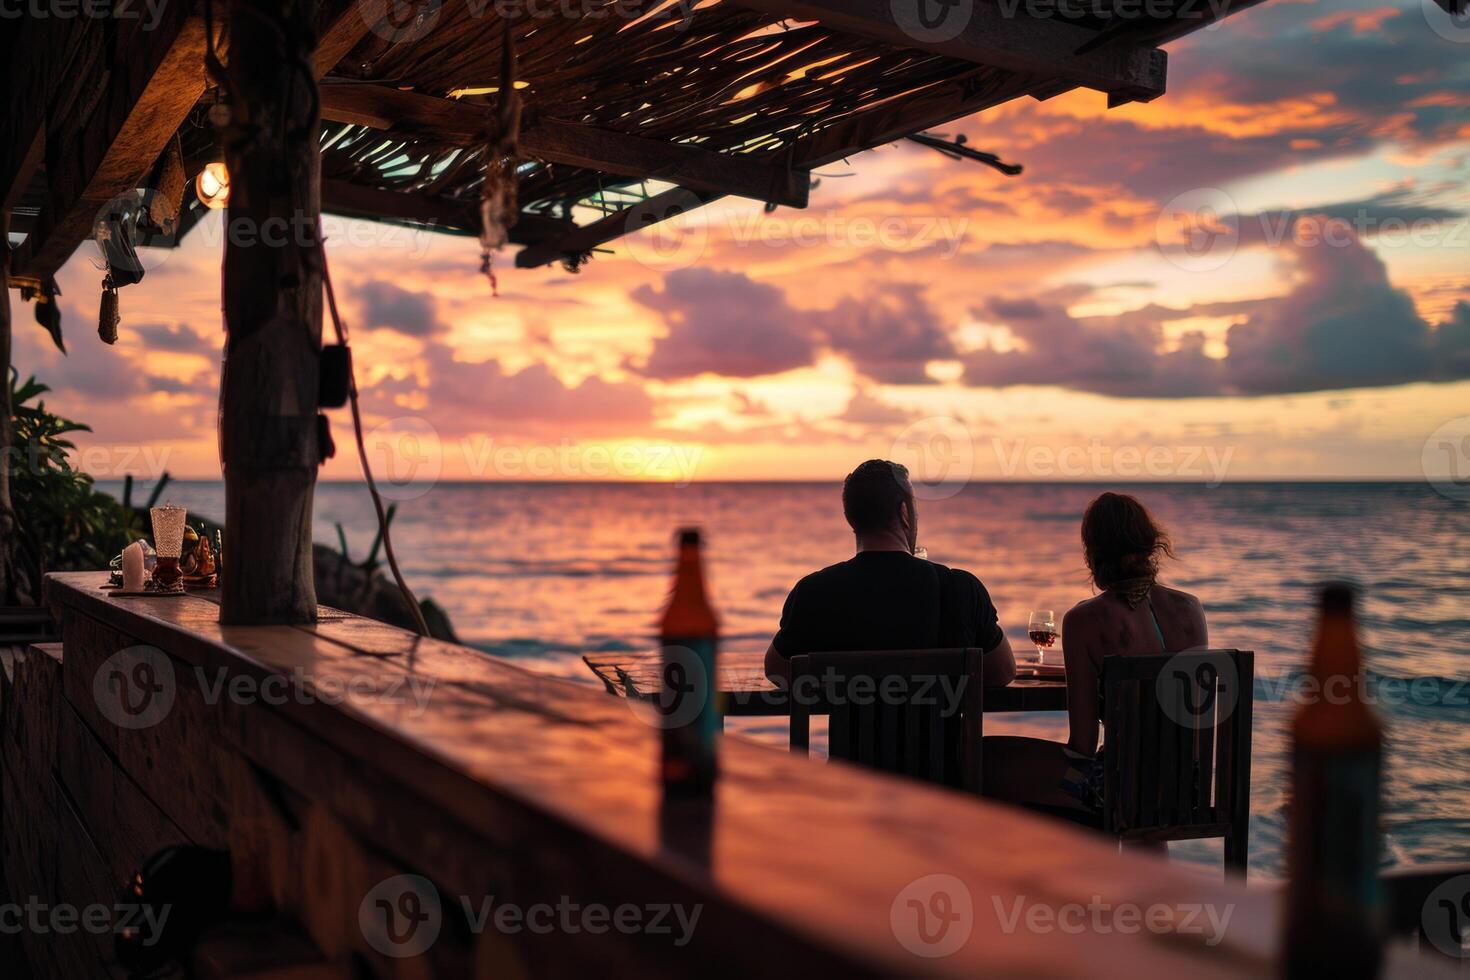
1041	628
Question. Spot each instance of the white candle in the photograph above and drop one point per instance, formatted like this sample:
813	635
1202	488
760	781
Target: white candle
133	575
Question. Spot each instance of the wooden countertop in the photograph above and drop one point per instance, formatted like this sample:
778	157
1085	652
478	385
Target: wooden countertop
826	854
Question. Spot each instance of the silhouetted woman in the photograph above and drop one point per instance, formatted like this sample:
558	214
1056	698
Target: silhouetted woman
1132	615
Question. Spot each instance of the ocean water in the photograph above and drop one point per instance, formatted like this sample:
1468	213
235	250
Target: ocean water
542	573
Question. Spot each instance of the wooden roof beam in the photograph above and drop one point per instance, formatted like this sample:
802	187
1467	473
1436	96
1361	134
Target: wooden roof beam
343	24
113	150
349	200
1001	35
661	207
90	161
573	144
898	118
876	126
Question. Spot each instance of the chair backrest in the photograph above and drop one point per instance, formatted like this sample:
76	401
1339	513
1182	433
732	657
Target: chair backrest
1431	901
1178	730
913	712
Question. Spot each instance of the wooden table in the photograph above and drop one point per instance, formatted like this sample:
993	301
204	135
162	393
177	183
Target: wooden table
750	694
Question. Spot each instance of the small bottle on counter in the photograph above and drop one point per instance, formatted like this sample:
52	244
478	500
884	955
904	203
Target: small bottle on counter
689	709
1333	919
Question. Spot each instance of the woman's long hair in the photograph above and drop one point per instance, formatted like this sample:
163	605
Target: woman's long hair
1121	540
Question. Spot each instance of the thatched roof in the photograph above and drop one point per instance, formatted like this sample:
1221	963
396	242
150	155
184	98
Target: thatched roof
634	109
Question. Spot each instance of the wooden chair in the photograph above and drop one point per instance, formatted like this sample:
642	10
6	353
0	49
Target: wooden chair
1424	897
927	726
1178	759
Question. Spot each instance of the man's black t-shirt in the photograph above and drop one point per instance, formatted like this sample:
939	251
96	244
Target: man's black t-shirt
887	600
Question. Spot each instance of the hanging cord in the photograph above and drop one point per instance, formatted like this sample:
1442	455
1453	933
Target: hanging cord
499	207
362	455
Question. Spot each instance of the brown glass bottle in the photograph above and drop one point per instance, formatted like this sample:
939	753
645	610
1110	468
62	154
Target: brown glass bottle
689	709
1333	922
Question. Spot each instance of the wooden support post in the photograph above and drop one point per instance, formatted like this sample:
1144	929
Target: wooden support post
273	316
9	580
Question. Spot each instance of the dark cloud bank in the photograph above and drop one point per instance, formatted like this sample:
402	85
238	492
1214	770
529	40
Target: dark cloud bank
1342	325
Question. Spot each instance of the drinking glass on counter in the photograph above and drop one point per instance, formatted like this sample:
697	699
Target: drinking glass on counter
168	541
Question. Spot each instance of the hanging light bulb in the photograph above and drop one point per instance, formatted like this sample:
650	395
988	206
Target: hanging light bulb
213	186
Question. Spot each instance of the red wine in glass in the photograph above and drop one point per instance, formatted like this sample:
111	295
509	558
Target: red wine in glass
1042	631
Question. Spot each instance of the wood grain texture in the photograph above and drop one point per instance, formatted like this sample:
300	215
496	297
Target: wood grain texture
105	133
550	788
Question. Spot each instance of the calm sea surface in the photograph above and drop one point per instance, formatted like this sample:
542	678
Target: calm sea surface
542	573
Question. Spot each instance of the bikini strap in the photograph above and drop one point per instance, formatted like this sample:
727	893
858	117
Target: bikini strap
1158	630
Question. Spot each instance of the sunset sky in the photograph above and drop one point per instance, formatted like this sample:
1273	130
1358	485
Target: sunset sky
1075	322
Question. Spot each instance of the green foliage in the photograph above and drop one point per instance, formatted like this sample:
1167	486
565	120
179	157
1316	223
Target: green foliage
65	523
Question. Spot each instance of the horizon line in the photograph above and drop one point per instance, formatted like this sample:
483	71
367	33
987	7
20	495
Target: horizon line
823	481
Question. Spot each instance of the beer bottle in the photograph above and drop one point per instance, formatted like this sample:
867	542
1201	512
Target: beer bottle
1333	925
689	711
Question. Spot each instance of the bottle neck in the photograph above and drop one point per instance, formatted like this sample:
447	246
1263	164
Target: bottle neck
689	574
1336	716
1335	652
689	612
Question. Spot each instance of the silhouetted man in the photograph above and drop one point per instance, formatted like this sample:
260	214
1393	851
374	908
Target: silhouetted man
884	598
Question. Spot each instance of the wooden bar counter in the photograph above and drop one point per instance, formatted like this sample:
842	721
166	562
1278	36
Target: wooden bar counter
332	758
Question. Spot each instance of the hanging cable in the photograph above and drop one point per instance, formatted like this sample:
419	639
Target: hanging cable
362	455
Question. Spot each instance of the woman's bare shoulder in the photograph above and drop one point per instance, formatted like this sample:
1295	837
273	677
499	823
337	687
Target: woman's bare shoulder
1178	598
1086	610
